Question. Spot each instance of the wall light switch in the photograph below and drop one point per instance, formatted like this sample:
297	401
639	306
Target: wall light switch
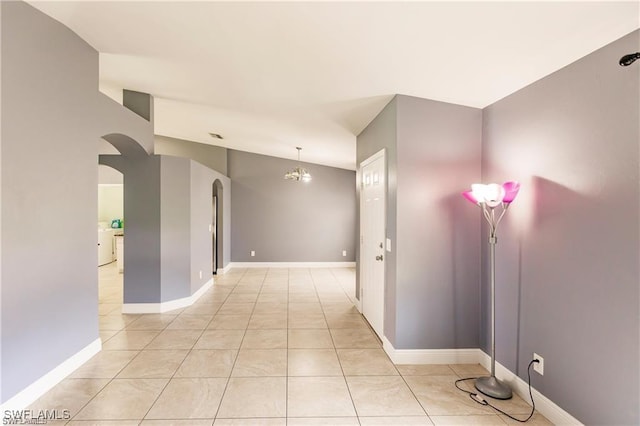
344	253
200	274
253	253
389	245
210	228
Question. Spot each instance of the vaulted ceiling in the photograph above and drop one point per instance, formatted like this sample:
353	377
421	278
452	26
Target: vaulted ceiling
270	76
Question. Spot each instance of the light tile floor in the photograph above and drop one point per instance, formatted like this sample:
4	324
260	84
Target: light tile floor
262	347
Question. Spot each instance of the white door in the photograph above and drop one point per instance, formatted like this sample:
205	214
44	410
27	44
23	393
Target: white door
372	239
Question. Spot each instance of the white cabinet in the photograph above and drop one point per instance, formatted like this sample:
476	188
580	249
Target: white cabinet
105	246
120	252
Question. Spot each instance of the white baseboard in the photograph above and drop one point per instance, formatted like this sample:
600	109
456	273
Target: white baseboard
430	356
224	270
544	405
158	308
292	264
41	386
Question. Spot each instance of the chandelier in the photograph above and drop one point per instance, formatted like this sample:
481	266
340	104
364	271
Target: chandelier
298	173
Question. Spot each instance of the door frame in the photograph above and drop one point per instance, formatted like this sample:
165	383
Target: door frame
379	154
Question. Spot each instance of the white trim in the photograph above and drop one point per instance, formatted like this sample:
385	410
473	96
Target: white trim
41	386
158	308
291	265
224	270
544	405
430	356
374	157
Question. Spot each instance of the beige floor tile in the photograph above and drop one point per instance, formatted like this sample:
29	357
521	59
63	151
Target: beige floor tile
354	338
304	309
425	370
272	295
104	365
207	363
123	399
323	421
190	322
310	339
70	394
109	308
395	421
236	308
313	362
130	340
268	321
111	322
366	362
537	420
346	321
152	364
220	339
514	406
383	396
439	396
319	397
303	297
265	339
195	398
489	420
242	298
307	321
339	308
254	397
151	322
202	309
270	308
260	362
105	335
469	370
251	422
175	339
229	322
176	422
103	423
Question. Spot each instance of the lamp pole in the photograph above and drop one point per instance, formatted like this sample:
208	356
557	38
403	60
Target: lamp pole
490	386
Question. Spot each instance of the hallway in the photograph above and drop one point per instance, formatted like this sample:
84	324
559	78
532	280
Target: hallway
263	346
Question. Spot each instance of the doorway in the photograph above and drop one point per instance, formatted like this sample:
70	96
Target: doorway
372	239
216	225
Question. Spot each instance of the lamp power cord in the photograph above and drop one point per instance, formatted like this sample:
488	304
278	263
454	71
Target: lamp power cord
479	399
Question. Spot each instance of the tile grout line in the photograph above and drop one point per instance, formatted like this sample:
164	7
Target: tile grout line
181	363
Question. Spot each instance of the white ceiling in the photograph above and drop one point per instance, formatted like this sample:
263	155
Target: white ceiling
272	76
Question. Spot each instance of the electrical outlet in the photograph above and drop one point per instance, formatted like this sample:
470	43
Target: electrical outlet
253	253
538	367
200	274
344	253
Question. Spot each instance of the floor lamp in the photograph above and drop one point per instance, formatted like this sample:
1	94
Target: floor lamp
489	198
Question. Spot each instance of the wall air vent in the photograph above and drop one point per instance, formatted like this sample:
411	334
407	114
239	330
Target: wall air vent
215	136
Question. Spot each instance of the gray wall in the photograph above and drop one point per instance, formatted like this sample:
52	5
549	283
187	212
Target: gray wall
214	157
286	221
49	234
432	273
567	260
52	119
438	232
175	212
380	134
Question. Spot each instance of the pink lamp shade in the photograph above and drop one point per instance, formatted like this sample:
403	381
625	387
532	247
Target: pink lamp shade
469	196
510	191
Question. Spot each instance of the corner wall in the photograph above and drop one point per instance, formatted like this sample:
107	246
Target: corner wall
569	250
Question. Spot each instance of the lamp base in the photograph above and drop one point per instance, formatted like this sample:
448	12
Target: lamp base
490	386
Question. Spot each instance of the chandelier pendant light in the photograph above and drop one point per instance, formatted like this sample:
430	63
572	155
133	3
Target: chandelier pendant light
298	173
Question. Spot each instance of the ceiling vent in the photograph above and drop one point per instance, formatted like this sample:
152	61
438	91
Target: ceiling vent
215	136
